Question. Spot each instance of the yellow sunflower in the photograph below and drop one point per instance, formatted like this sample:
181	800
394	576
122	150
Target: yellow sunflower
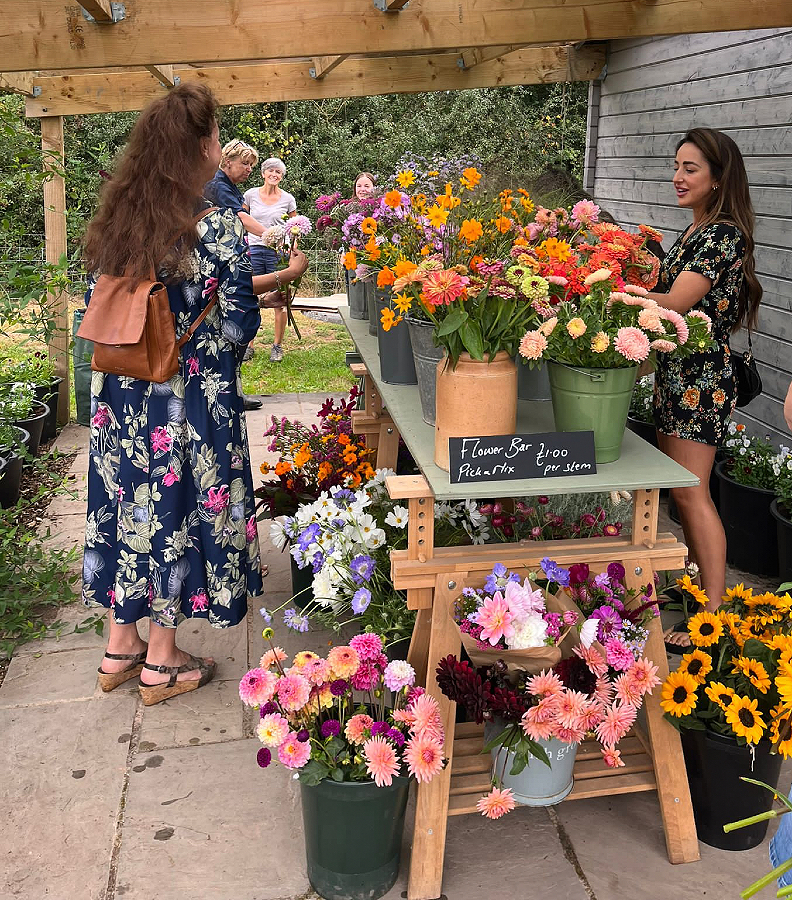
730	620
753	670
678	696
697	664
719	694
783	682
686	584
705	629
740	592
781	729
745	719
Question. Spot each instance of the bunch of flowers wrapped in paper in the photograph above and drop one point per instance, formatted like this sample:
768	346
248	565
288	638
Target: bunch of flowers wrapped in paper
282	237
313	458
327	717
737	679
346	537
594	688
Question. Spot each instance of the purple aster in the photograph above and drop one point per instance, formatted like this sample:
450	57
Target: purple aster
330	728
379	728
294	620
264	757
362	568
339	687
303	735
361	600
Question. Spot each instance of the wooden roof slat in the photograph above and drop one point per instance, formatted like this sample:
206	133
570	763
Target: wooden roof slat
267	83
323	65
48	35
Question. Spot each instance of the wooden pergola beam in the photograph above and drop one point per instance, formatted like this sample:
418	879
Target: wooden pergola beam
322	65
477	55
47	35
271	82
165	76
17	83
103	11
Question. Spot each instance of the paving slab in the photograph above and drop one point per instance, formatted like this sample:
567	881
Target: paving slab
228	646
65	638
207	822
59	808
50	677
73	438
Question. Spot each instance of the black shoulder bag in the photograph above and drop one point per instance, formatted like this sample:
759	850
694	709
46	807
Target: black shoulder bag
749	381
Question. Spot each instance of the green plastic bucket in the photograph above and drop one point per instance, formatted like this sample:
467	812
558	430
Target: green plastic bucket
82	351
595	400
353	837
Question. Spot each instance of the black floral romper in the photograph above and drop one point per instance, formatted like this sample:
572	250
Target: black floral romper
694	397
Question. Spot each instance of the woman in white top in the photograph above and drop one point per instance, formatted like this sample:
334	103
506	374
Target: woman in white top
268	205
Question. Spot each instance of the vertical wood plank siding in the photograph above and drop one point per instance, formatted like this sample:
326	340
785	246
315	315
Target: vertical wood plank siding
740	82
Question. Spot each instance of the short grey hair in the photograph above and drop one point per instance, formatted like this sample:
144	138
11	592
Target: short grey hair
273	163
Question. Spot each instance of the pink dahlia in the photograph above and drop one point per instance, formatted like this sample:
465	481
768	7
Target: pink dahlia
627	691
619	655
568	735
426	718
367	646
357	727
495	619
644	675
367	677
632	343
603	690
381	761
424	757
545	684
612	757
536	725
618	720
591	715
571	706
257	686
293	691
585	212
497	803
317	671
271	657
272	730
344	661
399	674
293	753
533	345
595	661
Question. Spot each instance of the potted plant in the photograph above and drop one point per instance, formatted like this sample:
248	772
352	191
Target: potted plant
37	370
640	418
597	687
747	484
18	406
13	441
731	697
354	729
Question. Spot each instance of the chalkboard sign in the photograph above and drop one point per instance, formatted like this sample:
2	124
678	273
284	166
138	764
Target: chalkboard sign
510	457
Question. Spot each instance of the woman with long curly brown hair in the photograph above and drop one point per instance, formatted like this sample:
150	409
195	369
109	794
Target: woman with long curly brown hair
171	529
710	269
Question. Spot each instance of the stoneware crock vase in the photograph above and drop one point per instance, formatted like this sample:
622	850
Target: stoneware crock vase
476	398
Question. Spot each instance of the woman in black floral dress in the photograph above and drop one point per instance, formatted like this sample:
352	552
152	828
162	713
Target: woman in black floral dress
710	269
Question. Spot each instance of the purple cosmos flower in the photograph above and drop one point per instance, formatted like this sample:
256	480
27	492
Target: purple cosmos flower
303	735
330	728
610	622
361	600
362	568
264	757
339	687
294	620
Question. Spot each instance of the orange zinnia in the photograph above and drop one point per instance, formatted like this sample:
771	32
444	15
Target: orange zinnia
368	225
404	267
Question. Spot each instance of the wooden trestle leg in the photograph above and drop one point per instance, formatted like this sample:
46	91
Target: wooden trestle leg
374	422
433	578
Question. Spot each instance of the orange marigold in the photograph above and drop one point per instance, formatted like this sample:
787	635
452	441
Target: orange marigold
368	225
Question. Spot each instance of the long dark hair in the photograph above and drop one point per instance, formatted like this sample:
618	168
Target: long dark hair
731	203
151	199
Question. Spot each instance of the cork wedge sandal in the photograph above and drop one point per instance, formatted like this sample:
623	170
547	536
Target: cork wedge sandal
156	693
110	680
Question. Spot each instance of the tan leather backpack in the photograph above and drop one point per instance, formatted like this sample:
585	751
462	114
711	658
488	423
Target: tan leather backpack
133	329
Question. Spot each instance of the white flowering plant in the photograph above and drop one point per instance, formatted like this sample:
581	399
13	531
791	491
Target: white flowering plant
345	537
642	401
282	237
752	461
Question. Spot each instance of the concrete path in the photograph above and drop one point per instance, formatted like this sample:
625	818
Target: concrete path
103	799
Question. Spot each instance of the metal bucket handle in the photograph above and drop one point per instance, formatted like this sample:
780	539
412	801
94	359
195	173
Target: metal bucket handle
594	376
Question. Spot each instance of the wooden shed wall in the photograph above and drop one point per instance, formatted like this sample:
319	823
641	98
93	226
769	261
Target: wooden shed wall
740	82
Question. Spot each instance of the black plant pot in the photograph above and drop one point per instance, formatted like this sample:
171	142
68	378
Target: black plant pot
34	425
645	430
398	649
751	543
784	539
302	584
48	393
714	764
11	476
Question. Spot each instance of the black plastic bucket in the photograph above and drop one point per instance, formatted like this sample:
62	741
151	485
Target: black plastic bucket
784	540
714	765
34	425
11	477
302	584
48	393
397	364
751	543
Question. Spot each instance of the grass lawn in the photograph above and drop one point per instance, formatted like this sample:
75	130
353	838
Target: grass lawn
316	363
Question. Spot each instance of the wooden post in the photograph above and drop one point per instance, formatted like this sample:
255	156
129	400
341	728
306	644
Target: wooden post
55	247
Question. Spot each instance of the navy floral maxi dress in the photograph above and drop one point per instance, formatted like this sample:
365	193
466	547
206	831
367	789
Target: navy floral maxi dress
171	528
694	397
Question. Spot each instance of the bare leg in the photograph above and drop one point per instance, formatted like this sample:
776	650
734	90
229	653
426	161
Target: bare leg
280	325
162	651
124	640
701	523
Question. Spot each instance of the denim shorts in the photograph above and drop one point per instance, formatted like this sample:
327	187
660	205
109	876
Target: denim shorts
781	848
263	259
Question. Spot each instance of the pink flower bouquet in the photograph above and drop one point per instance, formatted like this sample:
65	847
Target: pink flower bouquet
326	717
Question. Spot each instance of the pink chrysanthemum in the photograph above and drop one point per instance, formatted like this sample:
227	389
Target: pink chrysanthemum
293	691
271	657
257	687
612	757
650	321
627	691
424	757
635	289
592	658
533	345
294	754
644	675
426	718
632	344
663	346
618	720
497	803
381	762
344	661
571	705
545	684
367	646
619	655
357	727
495	619
272	730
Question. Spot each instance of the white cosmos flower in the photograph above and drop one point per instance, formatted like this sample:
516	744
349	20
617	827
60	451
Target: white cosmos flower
375	538
277	533
588	632
397	517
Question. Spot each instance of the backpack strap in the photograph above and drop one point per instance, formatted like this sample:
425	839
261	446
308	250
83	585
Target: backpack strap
206	310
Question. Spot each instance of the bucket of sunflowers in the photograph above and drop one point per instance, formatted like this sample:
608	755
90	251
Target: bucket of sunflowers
354	729
590	689
731	698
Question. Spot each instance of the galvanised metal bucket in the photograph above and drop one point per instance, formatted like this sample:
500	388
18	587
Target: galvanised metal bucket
595	400
358	299
371	302
426	357
395	350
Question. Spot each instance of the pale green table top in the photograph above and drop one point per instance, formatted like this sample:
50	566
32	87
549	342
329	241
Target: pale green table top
641	466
